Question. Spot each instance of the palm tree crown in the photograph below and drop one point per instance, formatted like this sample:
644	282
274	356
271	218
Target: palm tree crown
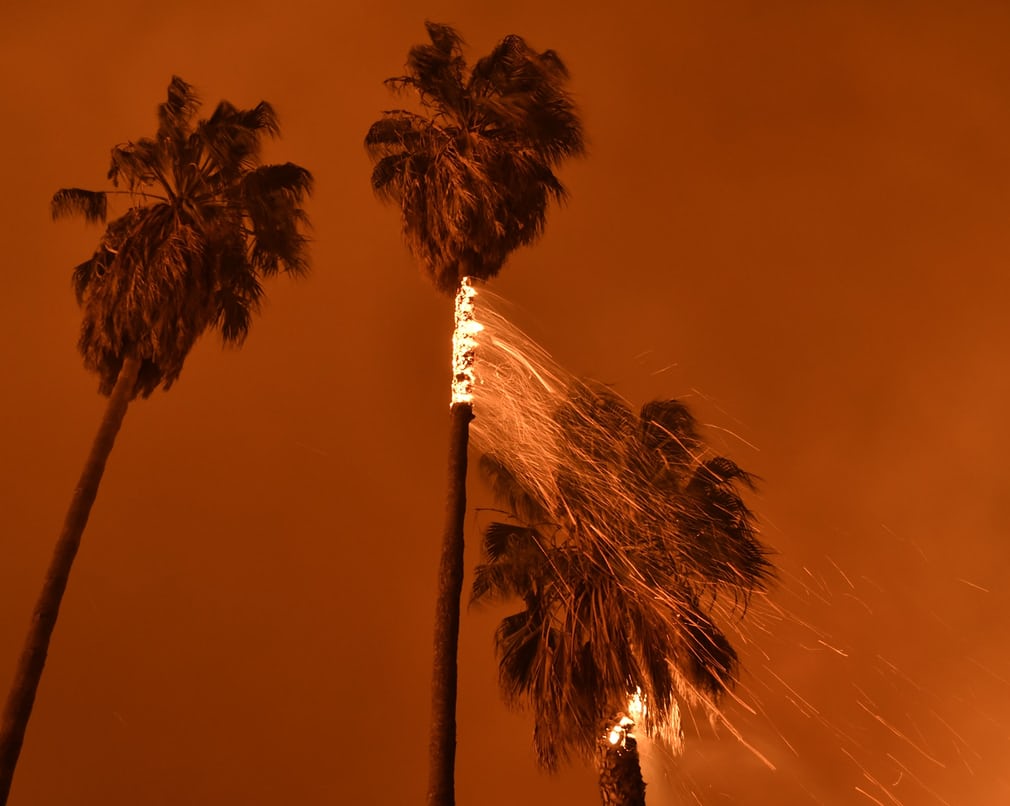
473	171
206	223
620	594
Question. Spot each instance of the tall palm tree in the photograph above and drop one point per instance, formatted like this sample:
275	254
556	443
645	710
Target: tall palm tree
205	223
472	171
622	575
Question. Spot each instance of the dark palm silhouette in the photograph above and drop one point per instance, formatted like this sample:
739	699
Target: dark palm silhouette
620	591
205	223
472	172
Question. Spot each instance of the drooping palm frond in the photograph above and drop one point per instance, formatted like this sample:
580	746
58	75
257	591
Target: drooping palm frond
92	205
272	198
507	489
473	174
206	224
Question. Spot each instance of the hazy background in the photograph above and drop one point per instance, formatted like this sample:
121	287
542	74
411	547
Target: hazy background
792	214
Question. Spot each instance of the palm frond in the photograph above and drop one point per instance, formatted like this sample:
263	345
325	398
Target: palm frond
522	95
709	661
436	71
81	277
396	132
233	137
261	119
176	113
472	174
287	180
173	266
521	646
238	297
137	164
93	205
501	538
445	38
670	429
506	488
388	176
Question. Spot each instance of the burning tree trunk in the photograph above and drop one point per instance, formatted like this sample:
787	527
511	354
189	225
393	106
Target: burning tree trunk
442	745
621	782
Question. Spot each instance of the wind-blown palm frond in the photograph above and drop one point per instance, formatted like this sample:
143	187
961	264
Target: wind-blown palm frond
473	176
93	205
618	595
206	223
511	493
176	114
140	164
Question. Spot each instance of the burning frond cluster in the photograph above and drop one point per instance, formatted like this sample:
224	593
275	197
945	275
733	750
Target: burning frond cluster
627	542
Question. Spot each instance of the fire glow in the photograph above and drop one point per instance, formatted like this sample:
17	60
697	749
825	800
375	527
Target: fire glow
464	344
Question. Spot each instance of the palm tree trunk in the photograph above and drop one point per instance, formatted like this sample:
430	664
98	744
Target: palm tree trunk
442	748
621	781
21	698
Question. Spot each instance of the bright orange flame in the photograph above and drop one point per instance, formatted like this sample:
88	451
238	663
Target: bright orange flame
636	706
464	343
620	731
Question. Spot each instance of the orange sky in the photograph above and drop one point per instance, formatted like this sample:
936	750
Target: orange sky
793	215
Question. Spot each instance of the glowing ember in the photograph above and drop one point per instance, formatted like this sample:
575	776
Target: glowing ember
464	343
620	732
636	707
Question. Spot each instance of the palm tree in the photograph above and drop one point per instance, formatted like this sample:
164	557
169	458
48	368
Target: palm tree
205	223
621	574
472	172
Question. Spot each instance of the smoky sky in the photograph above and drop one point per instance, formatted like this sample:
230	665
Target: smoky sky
792	216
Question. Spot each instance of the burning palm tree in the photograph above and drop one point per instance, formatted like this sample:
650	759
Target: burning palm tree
627	543
473	175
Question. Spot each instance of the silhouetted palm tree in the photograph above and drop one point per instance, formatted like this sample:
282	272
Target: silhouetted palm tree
621	577
206	223
472	172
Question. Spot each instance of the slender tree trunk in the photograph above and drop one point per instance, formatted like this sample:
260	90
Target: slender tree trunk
442	749
620	769
21	698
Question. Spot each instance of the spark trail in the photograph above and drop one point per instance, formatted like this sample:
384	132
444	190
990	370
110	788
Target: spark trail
645	549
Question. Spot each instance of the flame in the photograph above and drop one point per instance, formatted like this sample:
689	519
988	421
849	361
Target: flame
636	706
621	729
464	343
